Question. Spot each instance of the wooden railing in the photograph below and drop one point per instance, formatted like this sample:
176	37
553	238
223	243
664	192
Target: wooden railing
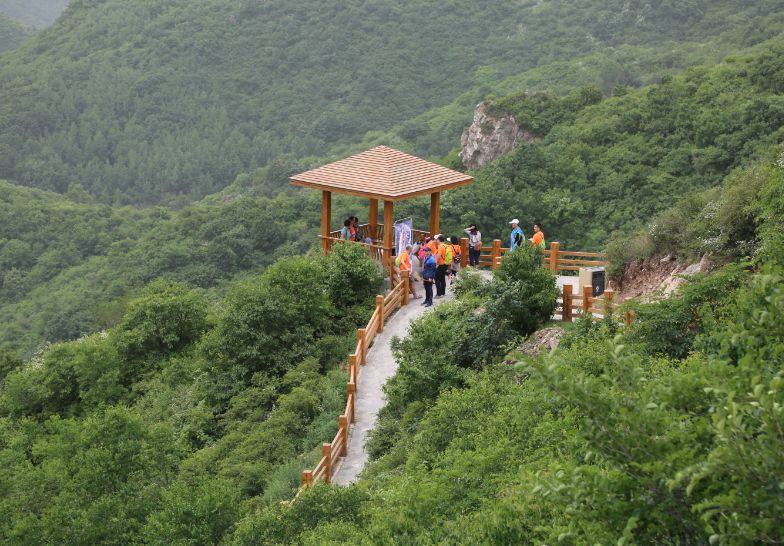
588	305
417	235
338	447
376	252
553	258
558	260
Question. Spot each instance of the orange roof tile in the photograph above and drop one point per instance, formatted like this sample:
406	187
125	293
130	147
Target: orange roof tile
382	173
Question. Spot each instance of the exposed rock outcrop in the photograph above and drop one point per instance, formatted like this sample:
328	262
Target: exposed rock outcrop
657	274
545	339
489	137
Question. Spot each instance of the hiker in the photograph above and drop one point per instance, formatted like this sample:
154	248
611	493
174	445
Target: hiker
454	267
442	266
403	261
352	227
516	237
428	276
358	236
421	253
538	239
474	244
345	231
432	242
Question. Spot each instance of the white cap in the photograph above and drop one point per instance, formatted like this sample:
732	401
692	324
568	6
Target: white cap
515	221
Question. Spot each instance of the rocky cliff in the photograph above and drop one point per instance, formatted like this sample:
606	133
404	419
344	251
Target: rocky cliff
489	137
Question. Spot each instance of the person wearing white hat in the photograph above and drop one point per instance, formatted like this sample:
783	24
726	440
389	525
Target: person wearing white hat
516	238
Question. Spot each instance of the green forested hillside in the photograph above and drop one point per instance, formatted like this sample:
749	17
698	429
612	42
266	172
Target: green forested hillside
167	372
11	33
34	13
601	165
69	268
669	432
606	164
151	102
169	426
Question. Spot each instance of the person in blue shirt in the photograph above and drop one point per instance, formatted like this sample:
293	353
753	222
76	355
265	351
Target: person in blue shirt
428	276
516	238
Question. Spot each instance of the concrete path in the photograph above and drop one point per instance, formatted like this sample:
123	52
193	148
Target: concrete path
380	367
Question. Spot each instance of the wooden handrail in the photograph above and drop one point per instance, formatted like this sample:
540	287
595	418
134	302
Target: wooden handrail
331	453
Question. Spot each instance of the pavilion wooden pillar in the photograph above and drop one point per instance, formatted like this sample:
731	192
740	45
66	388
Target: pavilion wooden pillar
373	218
435	213
389	232
326	221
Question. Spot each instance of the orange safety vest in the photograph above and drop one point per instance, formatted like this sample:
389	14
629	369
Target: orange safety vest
455	253
441	254
405	261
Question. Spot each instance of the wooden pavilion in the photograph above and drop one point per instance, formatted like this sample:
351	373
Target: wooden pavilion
380	174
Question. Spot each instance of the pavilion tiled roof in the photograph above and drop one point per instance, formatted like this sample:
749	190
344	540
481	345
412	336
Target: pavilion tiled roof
382	173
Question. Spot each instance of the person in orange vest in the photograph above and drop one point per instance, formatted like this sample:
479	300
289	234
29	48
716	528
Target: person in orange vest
404	263
442	266
454	266
433	244
538	239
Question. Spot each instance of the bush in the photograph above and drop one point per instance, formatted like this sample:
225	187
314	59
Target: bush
350	277
523	294
670	326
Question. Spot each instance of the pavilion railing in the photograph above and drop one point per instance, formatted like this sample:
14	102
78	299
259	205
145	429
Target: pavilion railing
417	235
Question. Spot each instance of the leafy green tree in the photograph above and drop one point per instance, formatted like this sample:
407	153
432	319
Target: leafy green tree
167	318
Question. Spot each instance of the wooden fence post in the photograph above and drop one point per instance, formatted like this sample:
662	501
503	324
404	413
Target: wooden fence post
608	300
362	349
464	251
343	424
380	309
406	280
307	478
351	389
352	368
496	253
555	248
326	452
566	315
587	297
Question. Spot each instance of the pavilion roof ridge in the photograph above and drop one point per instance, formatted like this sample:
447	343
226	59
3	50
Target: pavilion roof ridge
383	173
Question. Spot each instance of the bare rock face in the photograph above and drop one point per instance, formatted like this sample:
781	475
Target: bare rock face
545	339
656	277
488	138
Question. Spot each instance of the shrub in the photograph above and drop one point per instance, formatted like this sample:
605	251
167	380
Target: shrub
349	276
523	294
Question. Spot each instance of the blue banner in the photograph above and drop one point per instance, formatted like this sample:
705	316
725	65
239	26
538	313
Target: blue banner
403	234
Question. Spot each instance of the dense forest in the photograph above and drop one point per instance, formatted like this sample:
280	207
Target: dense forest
11	33
623	158
33	13
168	370
150	102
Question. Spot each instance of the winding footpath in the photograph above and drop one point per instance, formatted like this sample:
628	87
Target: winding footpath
381	365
